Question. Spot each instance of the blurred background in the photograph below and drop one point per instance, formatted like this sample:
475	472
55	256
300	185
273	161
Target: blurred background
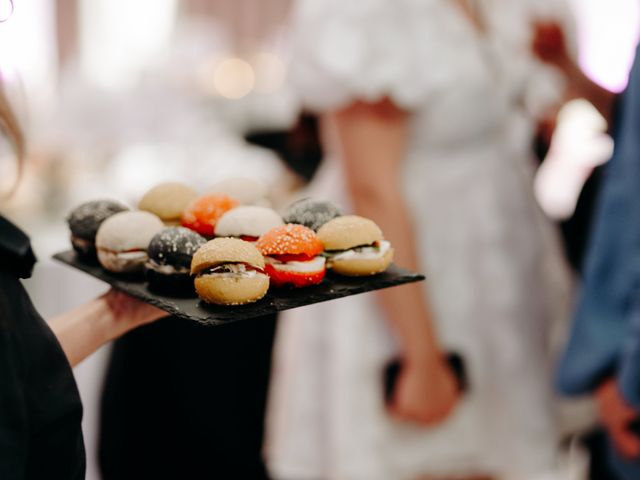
117	96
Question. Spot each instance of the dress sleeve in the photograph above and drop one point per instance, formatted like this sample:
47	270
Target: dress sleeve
13	415
367	50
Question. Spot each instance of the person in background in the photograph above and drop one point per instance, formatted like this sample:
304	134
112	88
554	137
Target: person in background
603	354
428	114
40	409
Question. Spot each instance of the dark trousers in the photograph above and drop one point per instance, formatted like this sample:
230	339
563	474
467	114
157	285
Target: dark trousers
182	400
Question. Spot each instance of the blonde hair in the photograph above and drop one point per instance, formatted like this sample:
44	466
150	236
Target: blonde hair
11	129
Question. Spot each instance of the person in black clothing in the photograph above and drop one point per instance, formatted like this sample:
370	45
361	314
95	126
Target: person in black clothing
40	409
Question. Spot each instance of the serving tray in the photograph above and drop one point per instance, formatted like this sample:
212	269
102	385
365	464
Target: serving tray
192	308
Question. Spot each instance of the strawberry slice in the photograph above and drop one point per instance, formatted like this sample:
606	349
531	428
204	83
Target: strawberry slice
281	278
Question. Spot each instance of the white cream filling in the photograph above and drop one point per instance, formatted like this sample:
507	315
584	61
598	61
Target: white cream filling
123	261
315	265
246	274
238	270
166	269
363	253
137	255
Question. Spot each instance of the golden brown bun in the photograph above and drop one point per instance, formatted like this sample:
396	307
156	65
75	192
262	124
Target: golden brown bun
168	200
225	250
230	290
343	233
362	267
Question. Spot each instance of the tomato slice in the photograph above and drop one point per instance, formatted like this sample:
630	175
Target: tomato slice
301	257
248	238
281	278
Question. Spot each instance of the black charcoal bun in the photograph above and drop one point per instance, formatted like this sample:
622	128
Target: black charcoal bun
311	213
86	218
173	247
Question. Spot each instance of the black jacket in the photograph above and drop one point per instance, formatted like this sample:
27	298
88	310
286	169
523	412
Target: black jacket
40	409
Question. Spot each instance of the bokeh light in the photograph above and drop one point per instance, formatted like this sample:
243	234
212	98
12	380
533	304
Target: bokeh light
234	78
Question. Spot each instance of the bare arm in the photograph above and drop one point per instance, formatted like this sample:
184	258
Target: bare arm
373	139
84	329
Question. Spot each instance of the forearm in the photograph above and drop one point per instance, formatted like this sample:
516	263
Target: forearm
86	328
373	143
406	307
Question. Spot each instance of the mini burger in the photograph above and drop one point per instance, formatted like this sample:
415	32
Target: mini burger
229	271
311	213
123	239
170	253
204	212
292	256
168	201
84	222
247	223
354	246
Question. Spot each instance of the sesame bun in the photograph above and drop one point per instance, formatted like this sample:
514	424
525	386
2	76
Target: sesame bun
249	221
122	240
168	201
290	239
225	250
221	290
204	212
311	213
229	288
360	267
248	191
85	220
347	232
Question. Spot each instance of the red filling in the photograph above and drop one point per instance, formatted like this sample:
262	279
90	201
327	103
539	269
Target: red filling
281	278
248	238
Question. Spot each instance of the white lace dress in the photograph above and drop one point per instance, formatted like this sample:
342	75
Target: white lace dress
496	279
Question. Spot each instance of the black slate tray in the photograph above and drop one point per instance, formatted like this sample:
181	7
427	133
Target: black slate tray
192	308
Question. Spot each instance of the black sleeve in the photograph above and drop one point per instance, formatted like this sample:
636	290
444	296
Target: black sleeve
14	428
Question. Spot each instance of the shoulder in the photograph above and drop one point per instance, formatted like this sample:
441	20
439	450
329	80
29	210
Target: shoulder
369	50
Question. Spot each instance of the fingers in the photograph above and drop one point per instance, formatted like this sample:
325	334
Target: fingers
415	417
131	310
627	443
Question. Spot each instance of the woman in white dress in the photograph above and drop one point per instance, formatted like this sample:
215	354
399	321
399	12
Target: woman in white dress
429	109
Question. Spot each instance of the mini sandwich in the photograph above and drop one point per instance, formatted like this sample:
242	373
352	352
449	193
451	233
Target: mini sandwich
168	201
311	213
247	223
203	213
292	256
354	246
123	239
170	253
84	222
229	271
